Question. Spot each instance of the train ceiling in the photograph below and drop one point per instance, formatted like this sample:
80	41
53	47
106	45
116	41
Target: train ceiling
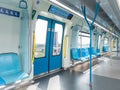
108	12
112	8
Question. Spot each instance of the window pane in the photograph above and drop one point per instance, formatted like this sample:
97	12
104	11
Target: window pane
99	39
57	39
85	42
40	33
106	42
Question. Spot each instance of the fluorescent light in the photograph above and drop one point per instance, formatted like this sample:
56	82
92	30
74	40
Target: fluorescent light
79	14
118	2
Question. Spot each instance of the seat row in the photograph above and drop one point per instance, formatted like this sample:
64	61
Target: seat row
11	69
83	54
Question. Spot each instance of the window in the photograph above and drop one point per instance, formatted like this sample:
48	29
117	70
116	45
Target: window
106	42
85	42
40	36
57	39
114	43
99	40
85	38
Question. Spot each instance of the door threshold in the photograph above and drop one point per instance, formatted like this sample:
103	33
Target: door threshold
46	74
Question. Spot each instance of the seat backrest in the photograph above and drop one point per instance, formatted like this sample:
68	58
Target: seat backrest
79	52
85	52
94	51
74	53
105	48
98	50
9	62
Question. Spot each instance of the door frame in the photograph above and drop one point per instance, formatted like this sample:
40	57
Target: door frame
49	44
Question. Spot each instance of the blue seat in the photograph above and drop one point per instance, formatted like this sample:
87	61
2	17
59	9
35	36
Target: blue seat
85	54
105	49
98	52
93	51
10	69
2	82
75	54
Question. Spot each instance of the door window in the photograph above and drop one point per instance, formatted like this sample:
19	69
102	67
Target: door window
40	34
57	39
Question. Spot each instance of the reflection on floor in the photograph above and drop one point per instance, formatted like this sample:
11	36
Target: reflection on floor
56	81
106	76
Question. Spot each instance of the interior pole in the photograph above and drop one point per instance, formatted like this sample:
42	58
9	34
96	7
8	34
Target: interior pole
91	28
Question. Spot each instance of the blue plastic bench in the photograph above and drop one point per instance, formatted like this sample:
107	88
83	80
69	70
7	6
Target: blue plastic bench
75	55
2	82
10	69
80	54
98	52
105	48
94	52
85	54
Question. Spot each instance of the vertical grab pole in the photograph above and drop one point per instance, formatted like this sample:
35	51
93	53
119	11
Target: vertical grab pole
117	46
91	28
91	54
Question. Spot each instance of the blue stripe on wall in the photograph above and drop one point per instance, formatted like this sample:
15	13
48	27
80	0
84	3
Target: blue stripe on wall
9	12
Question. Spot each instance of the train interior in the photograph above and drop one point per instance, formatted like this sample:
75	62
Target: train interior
59	45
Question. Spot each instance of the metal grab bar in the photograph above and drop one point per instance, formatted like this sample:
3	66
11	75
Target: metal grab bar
91	28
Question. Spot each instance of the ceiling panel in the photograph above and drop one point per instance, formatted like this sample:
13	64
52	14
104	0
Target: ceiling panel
112	9
106	14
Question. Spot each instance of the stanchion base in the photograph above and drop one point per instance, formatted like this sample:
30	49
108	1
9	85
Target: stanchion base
90	84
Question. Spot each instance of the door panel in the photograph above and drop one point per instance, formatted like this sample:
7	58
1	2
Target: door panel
56	45
49	38
42	36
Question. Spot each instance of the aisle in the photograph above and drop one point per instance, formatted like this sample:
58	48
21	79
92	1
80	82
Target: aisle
106	76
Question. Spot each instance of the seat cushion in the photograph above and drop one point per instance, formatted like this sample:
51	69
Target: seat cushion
14	76
98	54
2	82
9	62
84	59
93	56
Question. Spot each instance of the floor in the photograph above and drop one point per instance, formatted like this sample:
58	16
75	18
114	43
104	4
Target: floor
106	76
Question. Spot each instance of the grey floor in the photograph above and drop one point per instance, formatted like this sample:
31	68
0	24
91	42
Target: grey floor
106	76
